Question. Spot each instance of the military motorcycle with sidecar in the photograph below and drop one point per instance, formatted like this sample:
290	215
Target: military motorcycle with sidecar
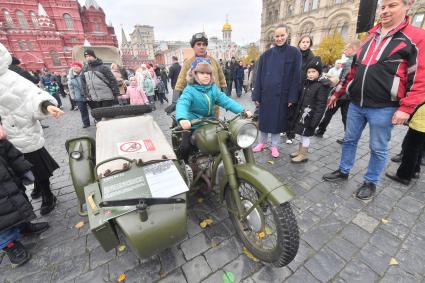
257	202
132	184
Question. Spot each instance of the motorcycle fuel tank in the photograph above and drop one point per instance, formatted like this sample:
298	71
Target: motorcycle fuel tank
206	139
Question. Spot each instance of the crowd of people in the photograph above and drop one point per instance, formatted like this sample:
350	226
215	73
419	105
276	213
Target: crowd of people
380	83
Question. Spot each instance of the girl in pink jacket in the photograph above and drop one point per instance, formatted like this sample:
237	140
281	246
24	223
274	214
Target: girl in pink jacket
135	93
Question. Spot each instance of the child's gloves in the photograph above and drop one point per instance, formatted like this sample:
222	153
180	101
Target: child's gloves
27	178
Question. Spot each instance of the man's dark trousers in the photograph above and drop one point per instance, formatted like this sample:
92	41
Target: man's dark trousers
341	103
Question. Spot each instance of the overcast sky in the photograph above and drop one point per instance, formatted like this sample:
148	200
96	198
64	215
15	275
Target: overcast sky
179	19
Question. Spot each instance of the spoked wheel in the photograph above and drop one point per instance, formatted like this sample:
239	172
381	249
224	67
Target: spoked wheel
270	232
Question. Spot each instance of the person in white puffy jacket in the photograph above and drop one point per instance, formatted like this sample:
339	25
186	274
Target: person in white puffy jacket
22	106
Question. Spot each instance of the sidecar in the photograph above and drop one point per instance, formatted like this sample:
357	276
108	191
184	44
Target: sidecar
131	183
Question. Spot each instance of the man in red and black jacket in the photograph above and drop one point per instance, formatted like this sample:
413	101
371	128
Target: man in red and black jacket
385	86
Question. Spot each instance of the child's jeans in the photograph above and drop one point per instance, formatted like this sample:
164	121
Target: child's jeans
9	236
152	101
58	99
162	97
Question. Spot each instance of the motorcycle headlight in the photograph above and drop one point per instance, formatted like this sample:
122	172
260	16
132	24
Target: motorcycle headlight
75	155
243	133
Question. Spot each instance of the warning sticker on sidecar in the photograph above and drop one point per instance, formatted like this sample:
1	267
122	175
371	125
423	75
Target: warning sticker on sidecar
135	146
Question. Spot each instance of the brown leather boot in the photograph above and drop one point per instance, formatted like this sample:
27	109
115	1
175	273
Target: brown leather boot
296	153
302	157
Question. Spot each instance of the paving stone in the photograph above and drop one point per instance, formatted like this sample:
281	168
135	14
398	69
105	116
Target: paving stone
415	243
377	211
71	268
194	246
316	237
366	222
174	277
419	228
376	259
307	220
217	276
302	275
242	267
410	205
40	277
122	264
171	259
196	269
411	264
219	256
356	271
385	241
396	274
331	224
320	209
148	270
325	264
99	274
91	242
65	250
403	217
99	257
269	274
302	203
38	263
343	248
218	232
304	252
355	235
248	280
344	214
397	229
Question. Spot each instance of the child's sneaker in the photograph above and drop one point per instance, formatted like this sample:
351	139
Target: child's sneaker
275	152
17	254
259	147
289	141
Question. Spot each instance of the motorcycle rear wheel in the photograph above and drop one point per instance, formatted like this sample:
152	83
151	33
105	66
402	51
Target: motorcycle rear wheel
278	239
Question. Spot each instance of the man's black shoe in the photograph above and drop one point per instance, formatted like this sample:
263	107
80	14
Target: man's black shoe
366	191
396	178
17	254
86	126
416	175
36	193
340	141
335	176
397	158
44	126
319	134
48	206
35	228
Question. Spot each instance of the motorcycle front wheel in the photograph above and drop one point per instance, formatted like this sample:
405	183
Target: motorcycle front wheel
270	232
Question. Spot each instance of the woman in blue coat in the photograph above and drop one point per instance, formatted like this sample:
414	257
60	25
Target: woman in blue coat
276	88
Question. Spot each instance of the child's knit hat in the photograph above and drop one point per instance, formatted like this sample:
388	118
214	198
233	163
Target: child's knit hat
316	64
201	64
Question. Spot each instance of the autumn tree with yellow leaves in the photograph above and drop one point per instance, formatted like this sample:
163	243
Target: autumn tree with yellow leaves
330	48
253	54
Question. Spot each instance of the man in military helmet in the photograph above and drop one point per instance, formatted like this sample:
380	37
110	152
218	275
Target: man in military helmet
199	43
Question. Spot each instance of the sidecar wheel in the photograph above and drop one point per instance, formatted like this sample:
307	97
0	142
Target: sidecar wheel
122	110
278	239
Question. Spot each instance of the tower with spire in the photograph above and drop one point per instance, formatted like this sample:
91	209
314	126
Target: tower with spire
227	32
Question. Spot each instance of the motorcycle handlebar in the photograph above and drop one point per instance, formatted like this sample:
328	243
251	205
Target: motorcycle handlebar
210	121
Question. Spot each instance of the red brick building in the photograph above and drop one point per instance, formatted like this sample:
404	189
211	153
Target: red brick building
41	33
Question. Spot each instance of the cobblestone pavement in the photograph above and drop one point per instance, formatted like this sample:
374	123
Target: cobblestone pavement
342	239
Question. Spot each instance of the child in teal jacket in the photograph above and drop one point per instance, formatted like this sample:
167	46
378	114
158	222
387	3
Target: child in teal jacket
198	100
